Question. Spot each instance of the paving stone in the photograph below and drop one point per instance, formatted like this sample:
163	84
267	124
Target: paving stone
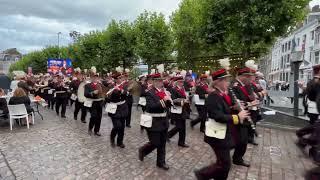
61	149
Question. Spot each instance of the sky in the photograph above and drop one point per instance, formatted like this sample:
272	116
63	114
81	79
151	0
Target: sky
33	24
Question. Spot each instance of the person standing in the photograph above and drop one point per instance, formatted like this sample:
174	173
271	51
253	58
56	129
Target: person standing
243	93
218	132
129	98
179	112
61	97
117	99
202	90
94	101
157	106
74	86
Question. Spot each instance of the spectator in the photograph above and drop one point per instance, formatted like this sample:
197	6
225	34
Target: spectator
20	97
3	103
4	82
14	83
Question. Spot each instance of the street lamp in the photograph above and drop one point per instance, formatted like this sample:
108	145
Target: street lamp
297	58
59	44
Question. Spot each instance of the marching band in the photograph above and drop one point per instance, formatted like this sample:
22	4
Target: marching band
228	109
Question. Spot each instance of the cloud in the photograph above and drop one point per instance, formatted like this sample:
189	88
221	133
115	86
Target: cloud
33	24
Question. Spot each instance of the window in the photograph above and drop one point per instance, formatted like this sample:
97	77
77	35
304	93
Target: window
312	35
288	60
316	57
287	77
301	75
289	45
286	47
282	48
281	62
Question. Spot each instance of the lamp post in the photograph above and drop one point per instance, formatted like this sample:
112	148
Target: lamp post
59	44
296	61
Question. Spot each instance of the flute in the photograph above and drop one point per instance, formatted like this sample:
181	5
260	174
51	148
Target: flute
253	126
111	90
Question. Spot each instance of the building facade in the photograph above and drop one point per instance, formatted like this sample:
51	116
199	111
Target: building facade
305	39
7	58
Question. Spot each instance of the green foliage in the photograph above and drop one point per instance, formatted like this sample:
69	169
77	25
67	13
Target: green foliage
246	26
154	38
118	43
185	23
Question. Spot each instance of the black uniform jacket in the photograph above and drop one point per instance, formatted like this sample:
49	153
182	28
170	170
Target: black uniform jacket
61	95
154	106
201	91
176	95
116	97
219	110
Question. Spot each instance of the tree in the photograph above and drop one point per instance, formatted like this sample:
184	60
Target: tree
118	44
91	51
154	38
185	23
248	26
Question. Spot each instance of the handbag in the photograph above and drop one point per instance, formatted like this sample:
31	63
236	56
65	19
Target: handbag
215	129
111	108
87	103
142	101
197	100
146	120
176	109
73	97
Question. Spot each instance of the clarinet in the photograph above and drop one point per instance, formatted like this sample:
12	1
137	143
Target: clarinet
253	126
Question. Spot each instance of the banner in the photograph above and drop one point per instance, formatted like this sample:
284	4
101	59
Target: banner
56	66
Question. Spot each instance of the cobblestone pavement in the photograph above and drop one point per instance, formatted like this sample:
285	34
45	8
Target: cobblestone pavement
61	149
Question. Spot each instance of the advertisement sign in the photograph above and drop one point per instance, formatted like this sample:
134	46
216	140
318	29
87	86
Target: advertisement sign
56	66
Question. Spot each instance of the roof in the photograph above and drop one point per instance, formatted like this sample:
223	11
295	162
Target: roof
12	51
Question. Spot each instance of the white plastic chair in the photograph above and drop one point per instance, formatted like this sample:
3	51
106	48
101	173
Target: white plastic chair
19	111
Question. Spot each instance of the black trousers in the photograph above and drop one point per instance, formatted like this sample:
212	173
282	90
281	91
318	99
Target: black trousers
51	101
129	102
220	169
118	130
157	141
78	106
61	102
202	111
313	130
96	116
180	128
313	118
241	143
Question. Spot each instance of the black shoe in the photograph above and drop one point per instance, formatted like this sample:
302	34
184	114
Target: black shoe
128	126
63	117
141	156
253	143
163	166
97	134
191	125
90	132
84	121
75	118
121	145
301	144
241	163
183	145
198	175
